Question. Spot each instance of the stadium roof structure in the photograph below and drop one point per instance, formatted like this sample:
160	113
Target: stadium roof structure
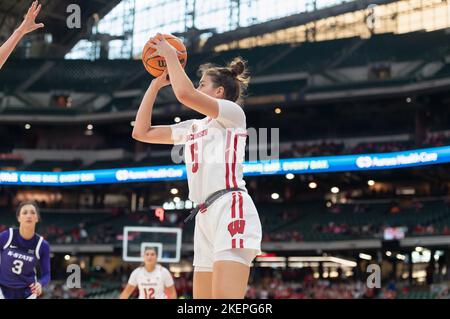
345	68
63	39
54	17
289	21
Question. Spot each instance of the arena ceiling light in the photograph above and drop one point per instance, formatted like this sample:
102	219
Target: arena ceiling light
438	254
27	126
297	264
176	206
132	123
272	264
290	176
181	267
401	257
312	185
343	262
275	195
90	126
177	119
271	258
335	190
277	110
423	257
331	274
365	256
371	182
331	259
174	191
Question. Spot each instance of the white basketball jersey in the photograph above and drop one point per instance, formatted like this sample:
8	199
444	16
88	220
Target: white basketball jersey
151	284
214	150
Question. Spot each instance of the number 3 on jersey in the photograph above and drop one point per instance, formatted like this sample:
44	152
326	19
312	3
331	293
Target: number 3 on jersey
194	157
17	269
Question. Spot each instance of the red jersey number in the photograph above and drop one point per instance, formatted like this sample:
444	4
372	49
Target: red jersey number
149	293
194	156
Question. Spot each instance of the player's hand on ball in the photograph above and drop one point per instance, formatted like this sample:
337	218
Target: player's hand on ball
162	47
162	80
29	24
36	289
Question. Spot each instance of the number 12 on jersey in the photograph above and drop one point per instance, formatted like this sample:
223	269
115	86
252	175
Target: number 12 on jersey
149	293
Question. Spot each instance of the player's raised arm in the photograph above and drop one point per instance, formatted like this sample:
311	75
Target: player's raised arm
182	86
126	293
28	25
143	130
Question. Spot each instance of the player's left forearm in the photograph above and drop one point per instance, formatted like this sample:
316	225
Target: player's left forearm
45	266
181	84
8	47
171	292
45	279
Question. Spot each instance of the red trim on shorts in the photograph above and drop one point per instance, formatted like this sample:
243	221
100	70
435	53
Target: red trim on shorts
241	215
233	243
233	165
227	154
241	205
233	205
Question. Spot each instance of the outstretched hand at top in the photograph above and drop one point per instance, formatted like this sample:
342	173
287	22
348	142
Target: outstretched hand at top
29	22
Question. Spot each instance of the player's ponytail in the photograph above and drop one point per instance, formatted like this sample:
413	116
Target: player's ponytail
234	78
238	68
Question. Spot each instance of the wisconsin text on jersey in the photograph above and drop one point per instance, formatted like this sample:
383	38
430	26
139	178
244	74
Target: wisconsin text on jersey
194	309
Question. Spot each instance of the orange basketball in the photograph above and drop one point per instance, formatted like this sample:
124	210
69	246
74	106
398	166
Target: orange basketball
156	65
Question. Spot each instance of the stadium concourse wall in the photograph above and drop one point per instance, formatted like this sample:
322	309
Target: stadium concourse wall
88	157
428	241
309	89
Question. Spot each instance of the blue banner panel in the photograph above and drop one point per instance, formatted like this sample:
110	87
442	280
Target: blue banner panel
325	164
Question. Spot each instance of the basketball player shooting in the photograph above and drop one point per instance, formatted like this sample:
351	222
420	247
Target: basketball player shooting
28	25
228	233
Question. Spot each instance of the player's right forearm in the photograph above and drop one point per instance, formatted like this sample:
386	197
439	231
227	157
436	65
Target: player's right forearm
143	119
123	296
8	47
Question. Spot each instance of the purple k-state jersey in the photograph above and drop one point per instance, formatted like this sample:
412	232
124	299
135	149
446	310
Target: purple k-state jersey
20	258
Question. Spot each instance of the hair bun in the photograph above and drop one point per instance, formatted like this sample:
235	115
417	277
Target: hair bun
237	67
